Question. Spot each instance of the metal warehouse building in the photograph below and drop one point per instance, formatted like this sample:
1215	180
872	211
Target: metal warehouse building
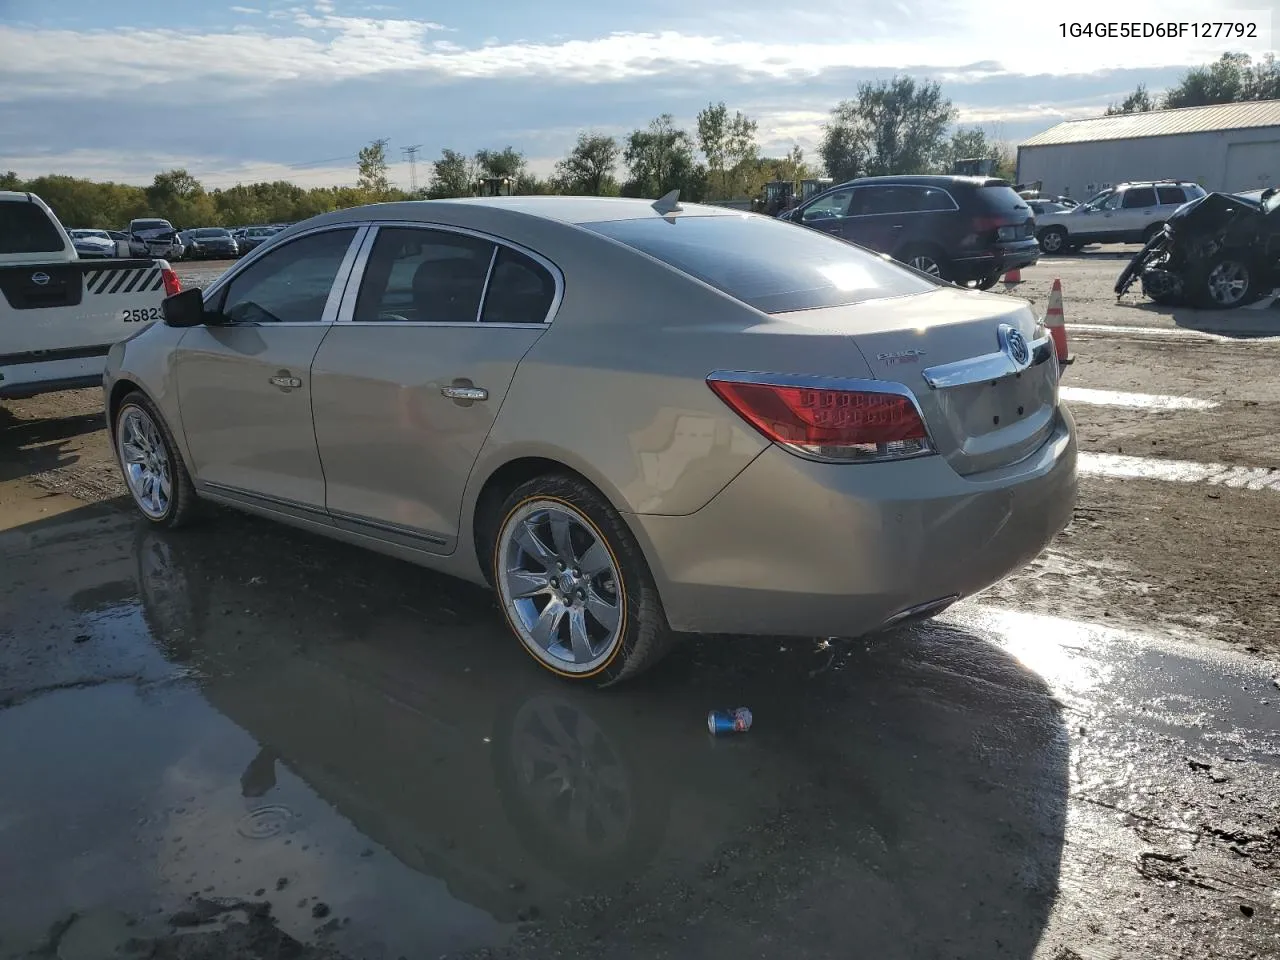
1230	147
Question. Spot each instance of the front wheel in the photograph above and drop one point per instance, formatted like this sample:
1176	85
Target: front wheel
1053	240
573	584
1228	283
153	471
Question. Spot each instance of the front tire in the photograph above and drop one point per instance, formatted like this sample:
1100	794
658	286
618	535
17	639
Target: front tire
1053	240
153	471
1229	282
574	585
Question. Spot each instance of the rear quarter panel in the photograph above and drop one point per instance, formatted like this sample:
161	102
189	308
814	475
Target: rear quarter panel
616	389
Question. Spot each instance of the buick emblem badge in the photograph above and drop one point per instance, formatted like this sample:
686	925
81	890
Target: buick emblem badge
1015	344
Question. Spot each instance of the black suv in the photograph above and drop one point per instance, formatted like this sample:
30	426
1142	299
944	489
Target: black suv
968	230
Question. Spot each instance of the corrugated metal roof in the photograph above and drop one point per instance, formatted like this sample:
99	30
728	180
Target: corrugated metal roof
1162	123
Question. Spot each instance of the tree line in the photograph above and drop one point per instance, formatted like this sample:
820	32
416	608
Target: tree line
902	125
1232	78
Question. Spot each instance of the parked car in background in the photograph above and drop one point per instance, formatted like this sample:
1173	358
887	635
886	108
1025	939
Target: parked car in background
209	243
118	235
966	230
91	244
154	238
59	312
250	238
878	445
1125	213
1040	208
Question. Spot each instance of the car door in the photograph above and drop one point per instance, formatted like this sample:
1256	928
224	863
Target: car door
244	386
1137	212
1169	199
828	212
409	381
881	220
1099	223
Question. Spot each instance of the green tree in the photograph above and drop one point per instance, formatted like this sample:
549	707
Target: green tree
742	152
507	162
372	166
1229	79
530	185
1137	102
906	124
713	141
453	175
9	180
660	159
844	143
589	167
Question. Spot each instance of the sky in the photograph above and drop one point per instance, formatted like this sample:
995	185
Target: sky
277	89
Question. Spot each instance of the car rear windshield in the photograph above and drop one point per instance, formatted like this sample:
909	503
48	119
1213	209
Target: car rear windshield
1000	198
152	225
26	228
768	264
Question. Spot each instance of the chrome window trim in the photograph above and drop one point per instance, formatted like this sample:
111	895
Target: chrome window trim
488	278
332	304
989	367
834	383
347	313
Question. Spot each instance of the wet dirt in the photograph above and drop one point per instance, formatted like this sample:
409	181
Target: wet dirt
268	722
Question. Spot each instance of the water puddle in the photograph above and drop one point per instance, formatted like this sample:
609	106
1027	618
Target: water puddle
1134	401
1116	466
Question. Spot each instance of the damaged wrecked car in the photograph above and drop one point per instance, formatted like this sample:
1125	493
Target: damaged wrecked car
1220	251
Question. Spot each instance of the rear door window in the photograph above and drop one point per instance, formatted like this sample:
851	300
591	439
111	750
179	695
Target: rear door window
1138	197
418	275
933	199
890	199
768	264
520	290
26	228
1170	195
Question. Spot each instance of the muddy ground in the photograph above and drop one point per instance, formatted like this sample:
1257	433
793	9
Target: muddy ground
242	741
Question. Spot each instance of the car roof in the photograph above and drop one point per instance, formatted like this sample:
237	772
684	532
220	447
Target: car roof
497	210
927	180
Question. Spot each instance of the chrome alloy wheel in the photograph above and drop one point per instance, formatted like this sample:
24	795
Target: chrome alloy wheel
145	461
1228	282
925	264
560	586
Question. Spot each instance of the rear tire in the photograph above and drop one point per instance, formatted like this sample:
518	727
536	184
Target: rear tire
153	471
573	584
927	260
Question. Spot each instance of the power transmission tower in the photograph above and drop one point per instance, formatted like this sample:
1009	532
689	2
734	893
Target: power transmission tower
411	154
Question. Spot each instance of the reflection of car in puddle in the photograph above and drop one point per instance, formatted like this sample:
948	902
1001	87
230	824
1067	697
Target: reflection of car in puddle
903	793
511	788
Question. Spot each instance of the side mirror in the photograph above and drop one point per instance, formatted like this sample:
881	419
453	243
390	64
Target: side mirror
185	309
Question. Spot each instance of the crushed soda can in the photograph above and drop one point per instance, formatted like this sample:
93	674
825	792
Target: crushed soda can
720	722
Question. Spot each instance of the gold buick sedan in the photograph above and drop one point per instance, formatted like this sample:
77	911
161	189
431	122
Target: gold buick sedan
632	419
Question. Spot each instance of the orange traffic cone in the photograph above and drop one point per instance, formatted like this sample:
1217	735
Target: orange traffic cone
1053	320
1013	276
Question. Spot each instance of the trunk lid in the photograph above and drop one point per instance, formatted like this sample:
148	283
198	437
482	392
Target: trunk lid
957	352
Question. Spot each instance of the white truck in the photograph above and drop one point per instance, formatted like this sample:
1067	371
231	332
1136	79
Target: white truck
59	314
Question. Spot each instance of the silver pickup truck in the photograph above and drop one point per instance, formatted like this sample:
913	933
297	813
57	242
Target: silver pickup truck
59	314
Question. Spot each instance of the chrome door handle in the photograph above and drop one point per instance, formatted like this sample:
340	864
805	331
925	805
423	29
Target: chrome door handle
465	393
285	382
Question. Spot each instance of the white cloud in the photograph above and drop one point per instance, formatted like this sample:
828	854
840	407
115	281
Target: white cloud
246	10
335	47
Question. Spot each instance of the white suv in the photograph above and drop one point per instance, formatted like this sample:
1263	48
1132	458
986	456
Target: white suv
1125	213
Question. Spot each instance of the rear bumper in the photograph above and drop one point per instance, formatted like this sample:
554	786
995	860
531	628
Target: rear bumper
793	547
997	259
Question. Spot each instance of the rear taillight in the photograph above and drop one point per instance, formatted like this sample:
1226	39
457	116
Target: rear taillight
828	422
172	284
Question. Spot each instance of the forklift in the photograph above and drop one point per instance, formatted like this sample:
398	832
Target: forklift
494	187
